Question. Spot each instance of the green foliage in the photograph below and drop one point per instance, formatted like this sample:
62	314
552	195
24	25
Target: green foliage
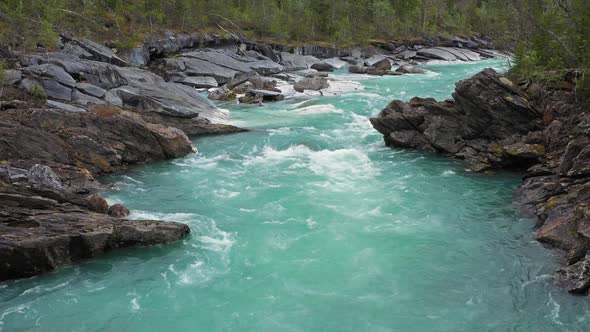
547	34
24	23
554	38
2	72
38	93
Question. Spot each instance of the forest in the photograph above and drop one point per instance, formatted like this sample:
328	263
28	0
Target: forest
545	34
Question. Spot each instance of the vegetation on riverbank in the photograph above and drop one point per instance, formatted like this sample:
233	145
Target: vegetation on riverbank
550	37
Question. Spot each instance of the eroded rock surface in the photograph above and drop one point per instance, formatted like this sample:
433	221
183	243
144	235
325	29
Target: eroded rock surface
51	214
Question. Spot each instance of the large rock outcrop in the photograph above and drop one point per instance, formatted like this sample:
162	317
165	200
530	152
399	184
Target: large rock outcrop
50	212
40	230
102	140
481	124
492	123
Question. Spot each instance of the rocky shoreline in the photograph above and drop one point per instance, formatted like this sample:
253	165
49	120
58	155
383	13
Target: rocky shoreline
494	123
70	116
51	214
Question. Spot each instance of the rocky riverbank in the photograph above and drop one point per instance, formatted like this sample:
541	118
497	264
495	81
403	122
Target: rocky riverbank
494	123
164	76
51	214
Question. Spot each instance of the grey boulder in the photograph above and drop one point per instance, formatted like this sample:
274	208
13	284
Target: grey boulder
311	83
43	177
199	82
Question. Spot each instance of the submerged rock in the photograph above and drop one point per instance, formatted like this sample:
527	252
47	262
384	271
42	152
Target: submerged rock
118	211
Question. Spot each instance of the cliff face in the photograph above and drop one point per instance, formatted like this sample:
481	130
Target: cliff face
492	123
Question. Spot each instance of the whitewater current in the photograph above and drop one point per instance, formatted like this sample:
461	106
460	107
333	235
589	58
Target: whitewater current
309	223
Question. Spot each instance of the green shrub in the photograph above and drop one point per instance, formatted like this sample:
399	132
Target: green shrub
38	93
2	72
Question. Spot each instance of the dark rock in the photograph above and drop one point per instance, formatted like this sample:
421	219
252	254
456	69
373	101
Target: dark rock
576	158
240	78
169	99
102	140
43	177
357	69
43	241
98	52
484	107
320	51
256	96
267	51
313	83
9	200
55	90
323	67
336	63
576	277
409	69
383	64
97	204
352	60
118	211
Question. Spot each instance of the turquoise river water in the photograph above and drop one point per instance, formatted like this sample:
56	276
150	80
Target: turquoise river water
309	223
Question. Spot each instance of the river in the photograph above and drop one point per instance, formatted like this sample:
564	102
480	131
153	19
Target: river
309	223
